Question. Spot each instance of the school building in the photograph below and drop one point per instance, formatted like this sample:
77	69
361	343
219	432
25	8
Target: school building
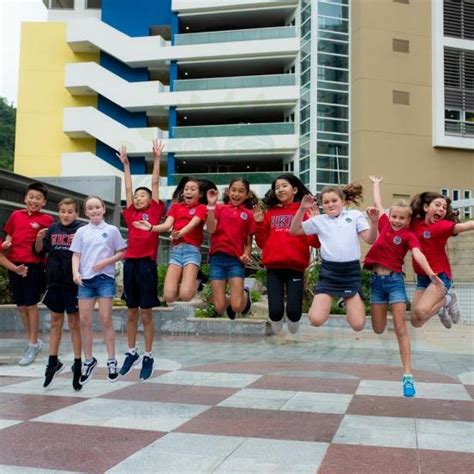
330	90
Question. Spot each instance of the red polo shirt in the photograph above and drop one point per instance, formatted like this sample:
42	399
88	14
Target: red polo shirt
182	215
391	246
143	244
23	228
433	239
234	225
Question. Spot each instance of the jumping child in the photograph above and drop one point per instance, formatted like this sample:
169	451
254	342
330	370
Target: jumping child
96	248
140	276
385	260
61	293
231	226
285	256
338	231
186	217
433	224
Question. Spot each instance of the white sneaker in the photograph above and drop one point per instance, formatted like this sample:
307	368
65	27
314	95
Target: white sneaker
293	326
453	308
31	352
277	327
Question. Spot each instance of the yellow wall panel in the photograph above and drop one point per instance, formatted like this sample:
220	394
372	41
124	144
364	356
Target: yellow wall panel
42	97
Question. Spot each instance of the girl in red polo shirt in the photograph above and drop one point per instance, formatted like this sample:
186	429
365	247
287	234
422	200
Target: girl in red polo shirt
434	222
231	226
285	256
385	260
186	217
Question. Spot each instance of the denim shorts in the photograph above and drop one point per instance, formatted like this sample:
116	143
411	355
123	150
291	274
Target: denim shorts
100	286
423	281
184	254
387	289
223	267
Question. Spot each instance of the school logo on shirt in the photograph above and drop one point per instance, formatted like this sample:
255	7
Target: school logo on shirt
104	235
427	234
348	220
281	222
145	217
244	216
397	240
192	211
35	225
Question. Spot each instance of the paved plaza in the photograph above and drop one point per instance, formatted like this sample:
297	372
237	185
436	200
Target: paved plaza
327	400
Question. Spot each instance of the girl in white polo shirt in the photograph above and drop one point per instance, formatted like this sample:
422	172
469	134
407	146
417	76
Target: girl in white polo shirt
338	230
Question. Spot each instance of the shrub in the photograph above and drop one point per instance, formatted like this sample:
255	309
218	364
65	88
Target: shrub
6	296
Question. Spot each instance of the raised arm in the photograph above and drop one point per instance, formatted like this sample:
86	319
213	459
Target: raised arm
306	204
155	177
463	227
211	222
127	175
376	180
148	227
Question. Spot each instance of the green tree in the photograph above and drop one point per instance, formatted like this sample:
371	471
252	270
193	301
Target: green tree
7	134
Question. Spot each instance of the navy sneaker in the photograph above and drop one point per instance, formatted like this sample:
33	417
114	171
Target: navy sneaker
51	372
408	386
231	314
147	369
129	362
248	306
112	370
87	368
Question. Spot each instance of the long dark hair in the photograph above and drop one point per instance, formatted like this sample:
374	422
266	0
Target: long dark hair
204	186
419	201
178	192
271	200
251	199
350	193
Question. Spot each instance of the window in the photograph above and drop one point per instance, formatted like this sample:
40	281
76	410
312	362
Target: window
456	195
445	192
458	16
94	4
400	46
401	97
60	4
467	194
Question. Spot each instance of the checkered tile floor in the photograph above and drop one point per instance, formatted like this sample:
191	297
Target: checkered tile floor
237	417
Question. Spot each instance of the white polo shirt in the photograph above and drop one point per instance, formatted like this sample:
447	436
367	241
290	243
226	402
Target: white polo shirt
339	236
95	243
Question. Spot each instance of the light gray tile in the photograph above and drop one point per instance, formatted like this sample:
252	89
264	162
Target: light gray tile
258	399
318	402
445	435
7	423
4	469
440	391
377	431
208	379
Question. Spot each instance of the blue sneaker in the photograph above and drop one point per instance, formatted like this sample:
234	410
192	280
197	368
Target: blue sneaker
408	387
128	363
147	368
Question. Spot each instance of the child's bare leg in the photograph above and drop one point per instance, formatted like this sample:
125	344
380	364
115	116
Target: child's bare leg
75	329
399	324
25	320
188	282
132	326
218	295
86	308
171	284
57	322
378	313
105	315
238	298
33	316
355	312
148	331
320	309
425	304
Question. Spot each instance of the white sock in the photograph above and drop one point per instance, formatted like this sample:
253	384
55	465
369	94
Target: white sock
148	354
447	299
132	350
410	376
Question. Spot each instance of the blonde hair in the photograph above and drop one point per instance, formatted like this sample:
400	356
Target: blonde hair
403	204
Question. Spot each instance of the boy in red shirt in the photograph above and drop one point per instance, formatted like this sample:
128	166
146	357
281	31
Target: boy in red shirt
139	271
21	229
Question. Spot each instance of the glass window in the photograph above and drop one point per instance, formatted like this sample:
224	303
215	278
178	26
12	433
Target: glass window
62	4
333	111
306	62
334	75
304	149
338	11
332	177
452	114
333	97
333	137
94	4
335	149
306	77
333	47
305	13
333	162
469	117
305	127
344	2
306	27
305	113
330	60
333	24
337	126
333	35
305	97
304	164
337	86
305	177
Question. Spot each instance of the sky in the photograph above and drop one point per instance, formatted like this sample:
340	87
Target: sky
12	13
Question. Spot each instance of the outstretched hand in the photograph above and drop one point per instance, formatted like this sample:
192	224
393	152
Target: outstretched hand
6	244
212	196
373	214
122	156
21	270
436	280
307	202
376	179
258	213
142	225
157	147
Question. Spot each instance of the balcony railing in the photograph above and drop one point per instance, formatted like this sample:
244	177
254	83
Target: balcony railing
235	35
258	177
235	130
270	80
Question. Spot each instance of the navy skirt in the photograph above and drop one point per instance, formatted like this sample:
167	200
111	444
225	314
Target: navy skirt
341	279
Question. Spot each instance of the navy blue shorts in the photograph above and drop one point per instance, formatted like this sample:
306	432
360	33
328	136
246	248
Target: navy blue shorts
60	299
223	267
140	283
339	279
387	289
27	291
423	281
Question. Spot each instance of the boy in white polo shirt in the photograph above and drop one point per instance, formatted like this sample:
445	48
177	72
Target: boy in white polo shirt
338	231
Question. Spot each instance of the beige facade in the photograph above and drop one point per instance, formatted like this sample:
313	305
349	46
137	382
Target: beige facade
395	139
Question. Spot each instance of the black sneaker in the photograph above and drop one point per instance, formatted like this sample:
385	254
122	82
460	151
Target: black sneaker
248	306
202	279
87	368
76	375
51	372
230	312
128	363
147	368
112	370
